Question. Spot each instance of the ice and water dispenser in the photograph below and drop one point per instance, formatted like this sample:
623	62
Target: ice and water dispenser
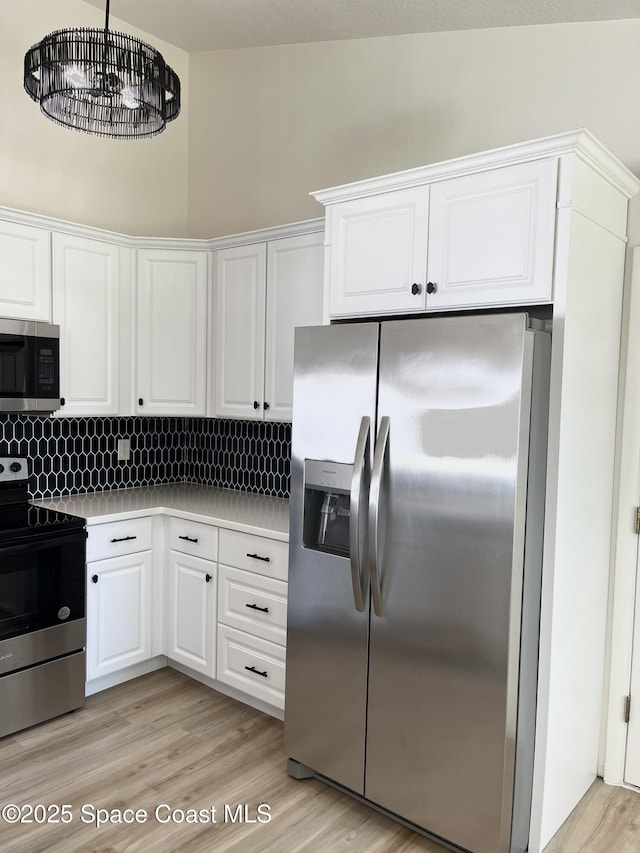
327	510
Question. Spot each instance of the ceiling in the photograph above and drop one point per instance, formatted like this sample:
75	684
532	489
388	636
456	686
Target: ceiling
196	25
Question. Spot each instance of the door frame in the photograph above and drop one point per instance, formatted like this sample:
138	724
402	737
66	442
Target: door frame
624	552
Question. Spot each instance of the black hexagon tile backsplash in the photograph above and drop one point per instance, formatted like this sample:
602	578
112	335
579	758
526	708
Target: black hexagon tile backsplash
69	455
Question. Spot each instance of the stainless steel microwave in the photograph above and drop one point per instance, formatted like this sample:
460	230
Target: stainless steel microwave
29	366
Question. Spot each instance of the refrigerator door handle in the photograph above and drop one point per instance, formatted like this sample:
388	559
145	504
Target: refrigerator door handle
360	469
374	512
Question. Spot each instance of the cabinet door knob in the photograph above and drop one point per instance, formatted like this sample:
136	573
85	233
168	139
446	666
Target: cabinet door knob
62	401
431	287
94	579
207	577
256	404
140	401
416	289
266	406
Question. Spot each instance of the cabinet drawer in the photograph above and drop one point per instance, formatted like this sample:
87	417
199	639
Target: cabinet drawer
251	664
253	603
118	537
192	537
254	553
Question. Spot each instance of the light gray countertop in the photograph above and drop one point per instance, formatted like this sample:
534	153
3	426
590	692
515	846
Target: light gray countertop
235	510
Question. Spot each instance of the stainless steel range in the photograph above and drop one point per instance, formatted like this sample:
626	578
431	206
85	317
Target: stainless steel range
42	606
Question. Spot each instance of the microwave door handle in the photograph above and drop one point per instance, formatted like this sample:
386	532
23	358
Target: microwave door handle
374	513
360	471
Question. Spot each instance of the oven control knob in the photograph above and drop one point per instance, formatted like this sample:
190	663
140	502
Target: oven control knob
15	466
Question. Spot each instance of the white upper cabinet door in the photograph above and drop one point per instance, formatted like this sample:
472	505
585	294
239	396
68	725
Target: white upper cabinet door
240	281
86	294
491	237
378	253
171	332
294	298
25	272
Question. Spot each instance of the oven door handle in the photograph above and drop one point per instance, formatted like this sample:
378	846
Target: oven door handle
39	543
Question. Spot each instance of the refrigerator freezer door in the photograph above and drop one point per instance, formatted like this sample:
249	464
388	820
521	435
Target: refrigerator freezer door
327	636
450	518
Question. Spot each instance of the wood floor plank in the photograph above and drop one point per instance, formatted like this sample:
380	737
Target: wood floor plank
166	739
607	820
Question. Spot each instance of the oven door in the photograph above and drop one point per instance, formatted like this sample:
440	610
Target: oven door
42	599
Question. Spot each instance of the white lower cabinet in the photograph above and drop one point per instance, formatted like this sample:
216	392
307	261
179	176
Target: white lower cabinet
257	554
191	611
119	612
253	603
117	538
252	615
251	664
218	607
193	537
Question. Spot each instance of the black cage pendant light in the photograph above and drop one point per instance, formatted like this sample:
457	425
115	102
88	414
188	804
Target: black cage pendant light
102	82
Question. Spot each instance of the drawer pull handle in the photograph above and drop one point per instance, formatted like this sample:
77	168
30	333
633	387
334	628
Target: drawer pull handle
124	539
187	538
255	607
94	578
258	557
257	671
207	577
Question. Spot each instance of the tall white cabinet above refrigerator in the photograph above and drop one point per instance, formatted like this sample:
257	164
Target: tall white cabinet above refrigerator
569	220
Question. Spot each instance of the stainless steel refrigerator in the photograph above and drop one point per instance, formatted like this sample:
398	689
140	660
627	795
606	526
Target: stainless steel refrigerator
417	501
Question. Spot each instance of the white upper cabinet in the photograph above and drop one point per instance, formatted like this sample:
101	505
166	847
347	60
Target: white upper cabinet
378	253
491	237
263	291
25	272
294	298
434	240
139	333
86	304
171	332
240	276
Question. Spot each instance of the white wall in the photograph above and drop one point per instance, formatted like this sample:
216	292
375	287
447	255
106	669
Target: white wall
268	125
132	186
263	127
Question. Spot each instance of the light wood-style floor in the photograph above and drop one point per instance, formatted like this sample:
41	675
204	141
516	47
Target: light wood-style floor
166	739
